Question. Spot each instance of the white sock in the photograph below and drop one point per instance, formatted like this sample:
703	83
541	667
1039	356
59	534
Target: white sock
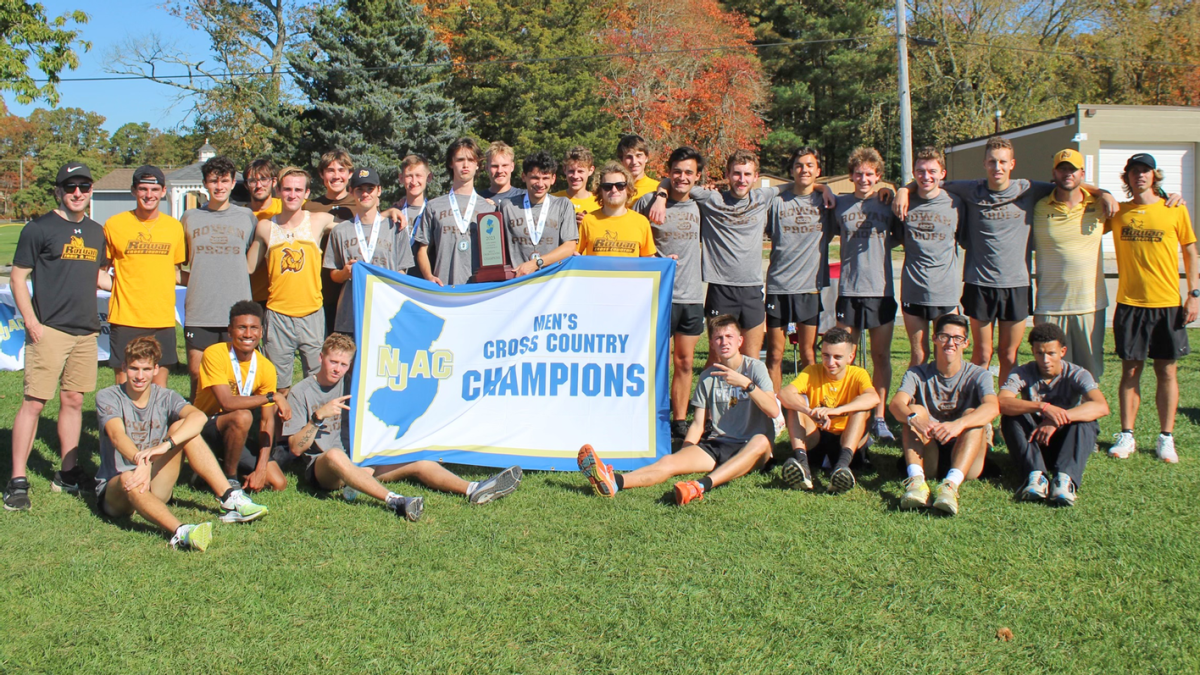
955	477
179	531
915	470
472	487
391	496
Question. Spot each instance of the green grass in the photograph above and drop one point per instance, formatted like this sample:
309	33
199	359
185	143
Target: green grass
555	580
8	241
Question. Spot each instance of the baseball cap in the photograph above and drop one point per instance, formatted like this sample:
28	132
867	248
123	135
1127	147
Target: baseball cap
364	177
148	175
73	170
1141	158
1070	156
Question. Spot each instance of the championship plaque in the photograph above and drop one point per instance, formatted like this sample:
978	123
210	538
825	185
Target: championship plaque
493	253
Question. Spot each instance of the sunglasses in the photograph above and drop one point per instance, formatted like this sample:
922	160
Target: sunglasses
70	188
605	187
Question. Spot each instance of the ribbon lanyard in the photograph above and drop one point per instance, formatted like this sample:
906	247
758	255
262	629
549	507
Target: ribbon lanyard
369	249
416	223
246	388
535	231
463	224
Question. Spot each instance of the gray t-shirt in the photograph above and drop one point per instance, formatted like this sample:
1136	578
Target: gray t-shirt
731	235
217	242
947	398
1064	391
560	227
679	235
416	219
998	229
146	427
500	197
391	252
929	233
800	233
452	256
735	418
305	398
865	227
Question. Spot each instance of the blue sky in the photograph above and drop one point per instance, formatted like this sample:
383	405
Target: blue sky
111	23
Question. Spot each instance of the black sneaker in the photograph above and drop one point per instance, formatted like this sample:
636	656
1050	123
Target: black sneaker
679	429
72	481
841	480
16	495
409	508
796	474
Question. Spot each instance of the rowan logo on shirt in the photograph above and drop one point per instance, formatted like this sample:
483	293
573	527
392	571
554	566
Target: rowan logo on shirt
144	245
76	250
292	260
609	243
1136	230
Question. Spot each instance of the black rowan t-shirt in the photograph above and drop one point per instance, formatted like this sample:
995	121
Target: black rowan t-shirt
65	258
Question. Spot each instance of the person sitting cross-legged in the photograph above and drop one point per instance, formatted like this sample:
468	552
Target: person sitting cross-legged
735	393
1050	407
828	407
147	430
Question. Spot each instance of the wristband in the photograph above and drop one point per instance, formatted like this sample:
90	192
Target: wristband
316	421
171	442
911	416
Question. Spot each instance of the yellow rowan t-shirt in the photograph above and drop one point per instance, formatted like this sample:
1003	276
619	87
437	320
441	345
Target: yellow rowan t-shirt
627	235
1147	239
216	370
583	205
260	281
644	186
823	392
144	255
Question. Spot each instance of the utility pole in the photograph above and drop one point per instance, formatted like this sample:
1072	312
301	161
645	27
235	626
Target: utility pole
906	152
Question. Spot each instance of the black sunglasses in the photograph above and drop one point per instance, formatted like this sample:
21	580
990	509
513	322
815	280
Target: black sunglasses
82	187
605	187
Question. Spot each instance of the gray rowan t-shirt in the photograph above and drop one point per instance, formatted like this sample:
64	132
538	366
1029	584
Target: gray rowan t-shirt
731	235
865	228
416	219
305	398
217	242
947	398
560	227
1064	391
146	427
800	233
391	252
929	233
997	235
679	235
735	418
452	255
500	197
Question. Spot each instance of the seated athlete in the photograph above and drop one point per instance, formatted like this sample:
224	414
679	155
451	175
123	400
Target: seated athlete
945	405
147	430
316	434
235	380
828	407
735	394
1050	407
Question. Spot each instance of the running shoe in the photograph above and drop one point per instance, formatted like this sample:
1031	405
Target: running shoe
796	474
240	509
947	498
841	480
916	493
880	430
604	483
497	486
1036	489
196	537
1123	445
16	495
410	508
1063	491
1164	447
687	491
72	481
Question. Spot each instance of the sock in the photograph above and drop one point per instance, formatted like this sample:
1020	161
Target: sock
180	530
844	459
801	456
1127	431
620	480
705	483
915	470
391	496
225	497
1165	433
955	477
472	487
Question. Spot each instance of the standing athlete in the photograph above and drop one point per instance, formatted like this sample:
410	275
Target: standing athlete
539	228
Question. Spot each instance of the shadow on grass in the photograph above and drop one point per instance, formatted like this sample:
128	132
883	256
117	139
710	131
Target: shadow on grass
571	486
1192	415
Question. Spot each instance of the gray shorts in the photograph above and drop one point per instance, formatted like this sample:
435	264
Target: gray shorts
287	335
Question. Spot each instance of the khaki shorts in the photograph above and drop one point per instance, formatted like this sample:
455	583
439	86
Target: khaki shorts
59	358
1085	338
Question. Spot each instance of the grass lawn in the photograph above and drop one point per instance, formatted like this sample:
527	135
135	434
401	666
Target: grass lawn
8	241
554	580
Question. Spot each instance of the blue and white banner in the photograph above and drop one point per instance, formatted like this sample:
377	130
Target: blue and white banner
517	372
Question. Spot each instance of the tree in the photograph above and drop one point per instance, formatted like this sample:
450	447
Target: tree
57	137
128	144
25	32
367	90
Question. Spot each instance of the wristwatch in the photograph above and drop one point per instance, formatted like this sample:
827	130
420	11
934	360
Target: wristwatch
270	397
1195	293
316	421
911	416
661	193
539	261
750	387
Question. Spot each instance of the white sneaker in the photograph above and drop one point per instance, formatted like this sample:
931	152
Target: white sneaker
780	424
1123	445
1165	449
1063	491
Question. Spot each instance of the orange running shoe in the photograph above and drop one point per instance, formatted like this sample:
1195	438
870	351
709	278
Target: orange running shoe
688	491
598	474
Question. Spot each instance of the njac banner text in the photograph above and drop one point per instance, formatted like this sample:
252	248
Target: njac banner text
518	372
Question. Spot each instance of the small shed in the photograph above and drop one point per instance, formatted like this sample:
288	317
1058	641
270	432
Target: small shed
185	186
112	195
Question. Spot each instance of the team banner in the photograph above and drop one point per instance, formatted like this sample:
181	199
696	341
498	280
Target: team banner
521	372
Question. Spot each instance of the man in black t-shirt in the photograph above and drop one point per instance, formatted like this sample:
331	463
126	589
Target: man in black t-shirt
62	254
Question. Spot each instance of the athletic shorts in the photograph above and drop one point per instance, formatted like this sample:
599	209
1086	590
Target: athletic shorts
119	338
866	313
199	338
1150	333
745	303
927	312
830	446
247	461
290	334
987	304
799	308
687	319
720	451
59	359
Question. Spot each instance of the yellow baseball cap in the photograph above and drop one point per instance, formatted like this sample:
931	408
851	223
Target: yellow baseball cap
1069	156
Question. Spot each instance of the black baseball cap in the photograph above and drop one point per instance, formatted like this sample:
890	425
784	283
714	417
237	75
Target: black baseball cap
148	175
73	170
364	177
1141	158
